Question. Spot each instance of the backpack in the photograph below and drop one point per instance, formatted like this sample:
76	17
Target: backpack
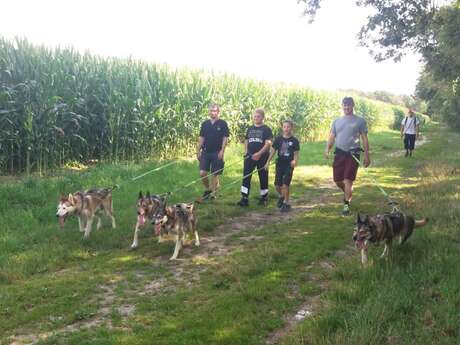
415	122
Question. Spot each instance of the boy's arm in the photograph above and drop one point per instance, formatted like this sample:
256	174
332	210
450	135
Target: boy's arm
270	157
295	160
264	149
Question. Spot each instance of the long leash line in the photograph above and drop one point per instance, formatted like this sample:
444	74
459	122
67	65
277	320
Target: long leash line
242	178
191	183
393	204
154	170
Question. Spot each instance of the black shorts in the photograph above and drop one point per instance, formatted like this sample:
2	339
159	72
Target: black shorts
409	141
283	174
211	163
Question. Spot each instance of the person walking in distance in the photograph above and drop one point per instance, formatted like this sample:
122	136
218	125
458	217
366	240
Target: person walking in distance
347	132
210	150
410	130
256	150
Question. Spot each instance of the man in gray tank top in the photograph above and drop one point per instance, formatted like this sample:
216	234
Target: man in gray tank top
347	132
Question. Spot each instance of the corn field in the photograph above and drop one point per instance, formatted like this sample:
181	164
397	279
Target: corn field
60	106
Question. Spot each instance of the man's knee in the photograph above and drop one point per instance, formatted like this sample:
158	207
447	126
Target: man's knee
203	173
348	183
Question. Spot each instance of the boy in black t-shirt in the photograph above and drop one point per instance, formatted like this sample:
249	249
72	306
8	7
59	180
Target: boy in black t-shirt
256	150
288	148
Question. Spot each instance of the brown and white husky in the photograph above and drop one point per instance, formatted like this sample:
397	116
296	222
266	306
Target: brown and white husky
86	205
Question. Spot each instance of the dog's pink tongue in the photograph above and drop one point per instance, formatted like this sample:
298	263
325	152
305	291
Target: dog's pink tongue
157	229
359	244
141	219
61	221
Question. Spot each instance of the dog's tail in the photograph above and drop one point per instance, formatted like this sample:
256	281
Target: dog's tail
420	223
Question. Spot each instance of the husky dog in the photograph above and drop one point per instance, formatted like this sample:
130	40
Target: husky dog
146	207
86	205
383	227
178	220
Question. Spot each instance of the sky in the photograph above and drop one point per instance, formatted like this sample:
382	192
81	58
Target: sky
262	39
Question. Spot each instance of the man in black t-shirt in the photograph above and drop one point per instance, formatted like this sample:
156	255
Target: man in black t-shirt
288	148
256	149
213	139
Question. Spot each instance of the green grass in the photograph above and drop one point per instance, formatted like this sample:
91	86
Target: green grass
51	278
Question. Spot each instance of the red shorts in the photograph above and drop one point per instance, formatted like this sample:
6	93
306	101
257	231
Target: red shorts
344	167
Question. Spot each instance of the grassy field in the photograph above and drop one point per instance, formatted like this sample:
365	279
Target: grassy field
56	288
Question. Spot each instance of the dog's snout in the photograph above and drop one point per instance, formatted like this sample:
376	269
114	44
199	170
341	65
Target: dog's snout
355	238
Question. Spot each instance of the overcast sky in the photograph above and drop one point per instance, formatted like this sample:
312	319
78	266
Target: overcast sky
263	39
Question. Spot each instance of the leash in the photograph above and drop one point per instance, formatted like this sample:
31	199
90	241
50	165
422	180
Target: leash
191	183
395	207
154	170
242	178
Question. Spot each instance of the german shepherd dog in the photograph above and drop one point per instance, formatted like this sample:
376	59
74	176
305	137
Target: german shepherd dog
177	220
383	227
86	205
146	207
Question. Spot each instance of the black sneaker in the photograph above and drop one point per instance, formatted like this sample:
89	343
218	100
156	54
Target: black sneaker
263	200
285	207
244	202
206	194
280	202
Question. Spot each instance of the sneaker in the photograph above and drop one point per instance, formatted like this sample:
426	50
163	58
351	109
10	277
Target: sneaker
263	200
346	210
206	194
280	202
285	207
244	202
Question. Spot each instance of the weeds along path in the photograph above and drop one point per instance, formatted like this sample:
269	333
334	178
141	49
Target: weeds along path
195	261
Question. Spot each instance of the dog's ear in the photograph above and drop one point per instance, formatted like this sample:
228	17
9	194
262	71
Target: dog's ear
147	195
140	195
171	212
71	199
361	219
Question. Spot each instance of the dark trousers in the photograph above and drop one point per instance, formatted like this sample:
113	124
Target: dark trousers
248	168
409	141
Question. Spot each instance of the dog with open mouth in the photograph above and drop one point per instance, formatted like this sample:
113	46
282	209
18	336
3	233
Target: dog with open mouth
178	220
86	205
146	206
383	228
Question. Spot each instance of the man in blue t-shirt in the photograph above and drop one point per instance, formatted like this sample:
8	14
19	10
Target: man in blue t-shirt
210	152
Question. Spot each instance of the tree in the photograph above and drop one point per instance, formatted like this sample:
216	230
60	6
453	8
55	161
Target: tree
429	27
